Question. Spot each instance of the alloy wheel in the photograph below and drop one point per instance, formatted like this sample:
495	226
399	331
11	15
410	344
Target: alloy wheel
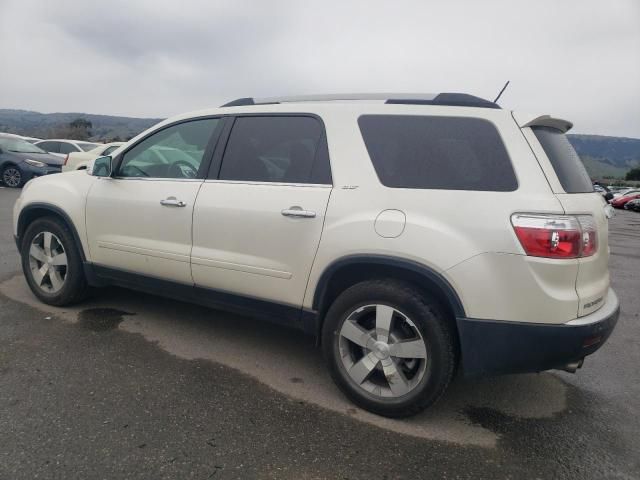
48	262
382	351
11	177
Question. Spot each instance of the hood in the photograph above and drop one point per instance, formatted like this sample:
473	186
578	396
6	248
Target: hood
51	160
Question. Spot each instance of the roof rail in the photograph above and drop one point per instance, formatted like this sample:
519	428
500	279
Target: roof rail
444	99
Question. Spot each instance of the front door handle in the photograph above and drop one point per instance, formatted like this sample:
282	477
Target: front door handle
172	202
298	212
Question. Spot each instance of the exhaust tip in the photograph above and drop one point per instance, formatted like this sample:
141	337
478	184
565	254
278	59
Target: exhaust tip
572	367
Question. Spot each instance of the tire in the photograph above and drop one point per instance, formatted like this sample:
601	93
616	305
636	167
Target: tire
12	176
63	281
399	385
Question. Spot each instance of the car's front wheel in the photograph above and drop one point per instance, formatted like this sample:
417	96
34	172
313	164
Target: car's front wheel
390	349
12	176
51	262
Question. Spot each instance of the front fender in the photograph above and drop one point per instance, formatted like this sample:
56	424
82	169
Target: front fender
62	195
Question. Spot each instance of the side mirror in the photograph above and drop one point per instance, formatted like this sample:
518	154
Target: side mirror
101	167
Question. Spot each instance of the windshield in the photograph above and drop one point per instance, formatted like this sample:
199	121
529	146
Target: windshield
566	162
18	145
86	146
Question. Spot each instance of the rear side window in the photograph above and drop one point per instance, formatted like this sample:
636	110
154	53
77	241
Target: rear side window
53	147
67	148
276	149
429	152
568	166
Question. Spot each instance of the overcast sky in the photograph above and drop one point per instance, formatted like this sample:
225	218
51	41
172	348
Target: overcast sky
577	59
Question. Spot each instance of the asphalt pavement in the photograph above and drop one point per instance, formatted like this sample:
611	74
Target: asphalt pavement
128	385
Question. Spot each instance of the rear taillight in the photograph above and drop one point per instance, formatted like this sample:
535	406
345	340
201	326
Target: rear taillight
589	235
66	158
556	236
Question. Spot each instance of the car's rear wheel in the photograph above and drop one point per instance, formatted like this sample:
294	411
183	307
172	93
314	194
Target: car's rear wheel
389	348
12	176
51	262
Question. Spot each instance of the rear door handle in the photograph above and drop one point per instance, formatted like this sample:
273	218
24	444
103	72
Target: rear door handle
172	202
298	212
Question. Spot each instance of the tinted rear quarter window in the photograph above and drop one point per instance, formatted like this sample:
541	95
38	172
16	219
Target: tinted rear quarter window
53	147
565	161
277	149
434	152
68	148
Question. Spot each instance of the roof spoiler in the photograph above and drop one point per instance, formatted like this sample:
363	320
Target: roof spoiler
529	120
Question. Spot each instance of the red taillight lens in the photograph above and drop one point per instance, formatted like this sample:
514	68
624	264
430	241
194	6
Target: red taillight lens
66	158
556	236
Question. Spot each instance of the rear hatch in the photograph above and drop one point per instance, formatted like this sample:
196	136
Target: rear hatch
572	186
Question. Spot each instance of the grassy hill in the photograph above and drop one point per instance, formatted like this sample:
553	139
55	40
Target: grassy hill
45	125
607	156
602	156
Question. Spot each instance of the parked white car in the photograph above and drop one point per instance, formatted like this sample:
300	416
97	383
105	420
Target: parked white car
79	160
62	148
340	216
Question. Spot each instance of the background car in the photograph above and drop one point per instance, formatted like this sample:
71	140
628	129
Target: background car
79	160
604	191
625	191
633	205
62	148
20	161
620	202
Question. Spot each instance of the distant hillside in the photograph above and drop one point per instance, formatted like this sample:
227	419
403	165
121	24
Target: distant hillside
607	156
45	125
602	156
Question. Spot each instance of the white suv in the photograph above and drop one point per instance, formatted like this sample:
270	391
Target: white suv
411	234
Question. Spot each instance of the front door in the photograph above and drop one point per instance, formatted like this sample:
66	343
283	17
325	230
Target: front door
257	224
140	219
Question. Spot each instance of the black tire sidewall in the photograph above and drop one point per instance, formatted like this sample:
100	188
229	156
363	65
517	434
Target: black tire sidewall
75	283
430	321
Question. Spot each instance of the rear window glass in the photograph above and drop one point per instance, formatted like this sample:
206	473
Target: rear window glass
429	152
566	162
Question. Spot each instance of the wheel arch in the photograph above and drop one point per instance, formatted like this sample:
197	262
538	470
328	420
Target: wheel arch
350	270
32	212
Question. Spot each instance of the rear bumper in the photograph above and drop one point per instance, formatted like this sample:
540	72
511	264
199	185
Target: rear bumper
499	347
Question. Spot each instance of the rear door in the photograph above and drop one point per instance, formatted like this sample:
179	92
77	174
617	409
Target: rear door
259	216
574	189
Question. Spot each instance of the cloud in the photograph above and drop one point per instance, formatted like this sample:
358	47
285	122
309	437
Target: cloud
577	59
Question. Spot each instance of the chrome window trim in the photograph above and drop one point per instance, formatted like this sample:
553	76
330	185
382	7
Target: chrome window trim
281	184
160	179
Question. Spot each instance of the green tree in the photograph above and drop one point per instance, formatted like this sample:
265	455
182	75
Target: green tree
79	129
633	174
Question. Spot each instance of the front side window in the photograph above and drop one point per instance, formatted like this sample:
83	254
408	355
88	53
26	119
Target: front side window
277	149
434	152
174	152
